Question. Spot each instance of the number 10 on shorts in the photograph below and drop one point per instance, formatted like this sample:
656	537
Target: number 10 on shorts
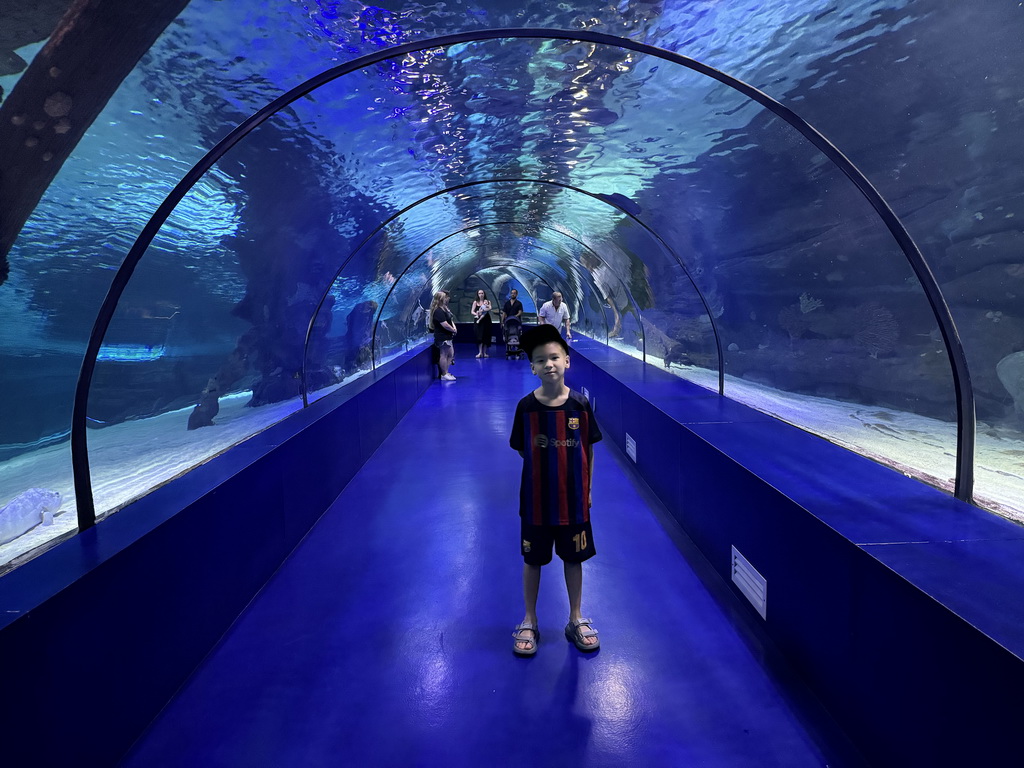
581	541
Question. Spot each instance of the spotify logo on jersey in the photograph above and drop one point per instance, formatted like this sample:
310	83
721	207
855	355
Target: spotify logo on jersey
542	441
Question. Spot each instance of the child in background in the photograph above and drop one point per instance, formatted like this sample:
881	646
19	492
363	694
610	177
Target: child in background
554	431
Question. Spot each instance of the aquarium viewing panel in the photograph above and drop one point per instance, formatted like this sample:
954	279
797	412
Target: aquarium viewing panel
272	219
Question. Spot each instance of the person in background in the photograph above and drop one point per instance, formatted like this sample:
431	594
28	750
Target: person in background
513	308
442	323
556	313
447	305
481	311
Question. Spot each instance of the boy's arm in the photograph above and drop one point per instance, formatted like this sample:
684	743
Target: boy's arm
590	461
517	440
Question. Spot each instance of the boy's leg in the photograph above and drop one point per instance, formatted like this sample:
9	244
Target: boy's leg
531	588
574	586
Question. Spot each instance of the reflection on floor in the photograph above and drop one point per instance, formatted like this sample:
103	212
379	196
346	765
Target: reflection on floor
385	639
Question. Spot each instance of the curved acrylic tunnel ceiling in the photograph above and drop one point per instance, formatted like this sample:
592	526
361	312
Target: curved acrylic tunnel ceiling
539	277
614	260
585	265
730	184
452	258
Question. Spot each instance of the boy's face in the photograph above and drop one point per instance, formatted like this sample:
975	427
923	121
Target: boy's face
549	362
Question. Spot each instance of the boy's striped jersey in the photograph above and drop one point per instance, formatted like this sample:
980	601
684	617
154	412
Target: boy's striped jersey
555	486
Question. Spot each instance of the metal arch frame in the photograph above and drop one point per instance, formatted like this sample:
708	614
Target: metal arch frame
593	284
498	265
387	296
510	266
526	180
597	290
515	265
584	246
380	309
965	403
533	298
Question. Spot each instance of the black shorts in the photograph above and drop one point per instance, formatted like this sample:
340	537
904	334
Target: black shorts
573	543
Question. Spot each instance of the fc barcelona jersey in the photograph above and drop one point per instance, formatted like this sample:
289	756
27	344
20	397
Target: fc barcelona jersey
555	488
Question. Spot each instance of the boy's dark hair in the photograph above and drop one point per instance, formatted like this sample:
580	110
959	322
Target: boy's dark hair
542	334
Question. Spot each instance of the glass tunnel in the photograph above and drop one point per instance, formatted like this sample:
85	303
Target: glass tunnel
233	237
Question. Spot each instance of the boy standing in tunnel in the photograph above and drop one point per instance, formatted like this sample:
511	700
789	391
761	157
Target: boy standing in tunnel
554	431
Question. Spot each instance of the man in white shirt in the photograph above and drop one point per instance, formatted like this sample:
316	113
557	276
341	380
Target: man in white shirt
555	313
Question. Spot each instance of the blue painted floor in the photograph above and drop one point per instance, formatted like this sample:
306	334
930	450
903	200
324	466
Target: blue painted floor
385	639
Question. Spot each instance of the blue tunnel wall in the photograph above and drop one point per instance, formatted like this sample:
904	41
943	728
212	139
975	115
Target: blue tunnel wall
147	594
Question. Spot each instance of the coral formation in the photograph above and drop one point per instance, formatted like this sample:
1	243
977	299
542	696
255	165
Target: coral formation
793	321
875	328
808	303
1010	371
207	407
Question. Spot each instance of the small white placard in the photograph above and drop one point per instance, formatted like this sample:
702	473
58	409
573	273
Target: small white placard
631	447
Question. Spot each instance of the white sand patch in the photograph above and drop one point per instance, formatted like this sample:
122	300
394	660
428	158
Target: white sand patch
918	446
130	459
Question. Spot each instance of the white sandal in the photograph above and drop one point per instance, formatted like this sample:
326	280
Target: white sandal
531	648
575	634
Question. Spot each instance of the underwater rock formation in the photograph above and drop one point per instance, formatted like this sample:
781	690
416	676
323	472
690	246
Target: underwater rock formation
659	344
26	23
793	322
234	368
30	508
208	406
359	335
94	46
870	325
794	317
1011	373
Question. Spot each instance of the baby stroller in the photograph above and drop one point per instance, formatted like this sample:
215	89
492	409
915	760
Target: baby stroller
513	329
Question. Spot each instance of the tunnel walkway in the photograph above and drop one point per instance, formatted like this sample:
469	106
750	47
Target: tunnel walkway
385	638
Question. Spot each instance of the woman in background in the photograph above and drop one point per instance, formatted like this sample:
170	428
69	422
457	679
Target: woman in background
481	310
442	323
